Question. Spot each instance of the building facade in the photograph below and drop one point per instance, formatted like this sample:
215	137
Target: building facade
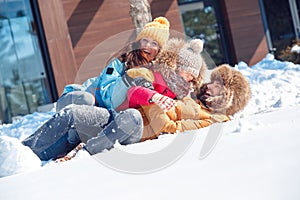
46	44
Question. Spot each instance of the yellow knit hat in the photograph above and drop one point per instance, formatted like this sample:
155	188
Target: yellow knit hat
158	30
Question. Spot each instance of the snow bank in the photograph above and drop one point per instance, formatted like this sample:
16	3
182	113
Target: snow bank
274	84
15	157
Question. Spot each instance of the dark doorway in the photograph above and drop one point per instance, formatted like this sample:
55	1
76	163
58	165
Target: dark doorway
282	23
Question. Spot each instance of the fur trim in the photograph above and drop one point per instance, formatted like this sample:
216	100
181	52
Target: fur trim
237	91
168	55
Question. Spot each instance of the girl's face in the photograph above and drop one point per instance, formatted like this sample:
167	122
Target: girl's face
186	75
150	47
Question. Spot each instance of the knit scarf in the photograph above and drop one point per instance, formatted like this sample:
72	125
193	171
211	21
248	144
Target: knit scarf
177	84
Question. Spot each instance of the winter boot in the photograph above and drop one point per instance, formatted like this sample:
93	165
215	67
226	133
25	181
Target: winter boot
127	128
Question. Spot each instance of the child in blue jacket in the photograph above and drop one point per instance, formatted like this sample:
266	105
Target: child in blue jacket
101	91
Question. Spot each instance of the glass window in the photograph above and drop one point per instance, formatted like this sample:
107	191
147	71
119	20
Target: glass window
23	83
199	21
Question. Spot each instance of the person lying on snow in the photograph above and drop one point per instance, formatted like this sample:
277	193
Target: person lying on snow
227	93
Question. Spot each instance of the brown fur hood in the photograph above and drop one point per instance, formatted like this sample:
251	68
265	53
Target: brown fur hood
237	90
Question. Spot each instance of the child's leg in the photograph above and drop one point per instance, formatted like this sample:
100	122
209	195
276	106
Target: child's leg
51	139
66	129
127	128
75	97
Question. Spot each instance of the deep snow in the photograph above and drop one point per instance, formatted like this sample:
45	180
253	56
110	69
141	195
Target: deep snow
257	156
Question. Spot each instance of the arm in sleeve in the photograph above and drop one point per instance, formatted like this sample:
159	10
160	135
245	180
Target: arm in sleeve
139	96
155	121
86	86
111	91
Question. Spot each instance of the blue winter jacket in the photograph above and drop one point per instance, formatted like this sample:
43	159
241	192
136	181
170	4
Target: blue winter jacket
108	88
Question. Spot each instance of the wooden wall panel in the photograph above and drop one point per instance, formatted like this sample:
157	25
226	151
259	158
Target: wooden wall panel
247	30
169	9
58	41
83	34
99	28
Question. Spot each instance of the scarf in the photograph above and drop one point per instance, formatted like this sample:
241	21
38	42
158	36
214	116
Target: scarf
177	84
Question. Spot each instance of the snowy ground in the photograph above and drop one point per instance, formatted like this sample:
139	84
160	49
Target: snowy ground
256	157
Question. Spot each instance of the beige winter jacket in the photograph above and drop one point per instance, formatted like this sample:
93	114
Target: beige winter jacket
186	115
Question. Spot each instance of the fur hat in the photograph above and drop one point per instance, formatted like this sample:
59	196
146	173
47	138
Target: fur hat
237	91
158	30
169	55
189	59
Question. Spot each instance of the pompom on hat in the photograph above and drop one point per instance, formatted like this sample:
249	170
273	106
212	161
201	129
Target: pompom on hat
190	59
158	30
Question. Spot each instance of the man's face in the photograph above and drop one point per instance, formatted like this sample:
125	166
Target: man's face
210	90
150	47
214	89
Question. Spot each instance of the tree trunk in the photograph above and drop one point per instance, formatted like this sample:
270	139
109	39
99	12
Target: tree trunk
140	13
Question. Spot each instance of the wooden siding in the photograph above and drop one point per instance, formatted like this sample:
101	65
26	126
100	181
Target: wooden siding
99	28
82	34
58	41
247	30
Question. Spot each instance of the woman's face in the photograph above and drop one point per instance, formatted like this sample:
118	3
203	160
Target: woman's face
150	47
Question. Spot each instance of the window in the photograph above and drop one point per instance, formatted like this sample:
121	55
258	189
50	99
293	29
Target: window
200	20
23	81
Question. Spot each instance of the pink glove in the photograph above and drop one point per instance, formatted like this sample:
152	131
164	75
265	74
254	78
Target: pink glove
164	102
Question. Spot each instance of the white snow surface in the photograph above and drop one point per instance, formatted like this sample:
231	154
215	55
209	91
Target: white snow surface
256	157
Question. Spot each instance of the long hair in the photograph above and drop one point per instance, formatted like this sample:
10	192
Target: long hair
131	55
136	58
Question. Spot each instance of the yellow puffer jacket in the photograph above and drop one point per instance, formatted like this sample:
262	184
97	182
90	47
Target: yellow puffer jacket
186	115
